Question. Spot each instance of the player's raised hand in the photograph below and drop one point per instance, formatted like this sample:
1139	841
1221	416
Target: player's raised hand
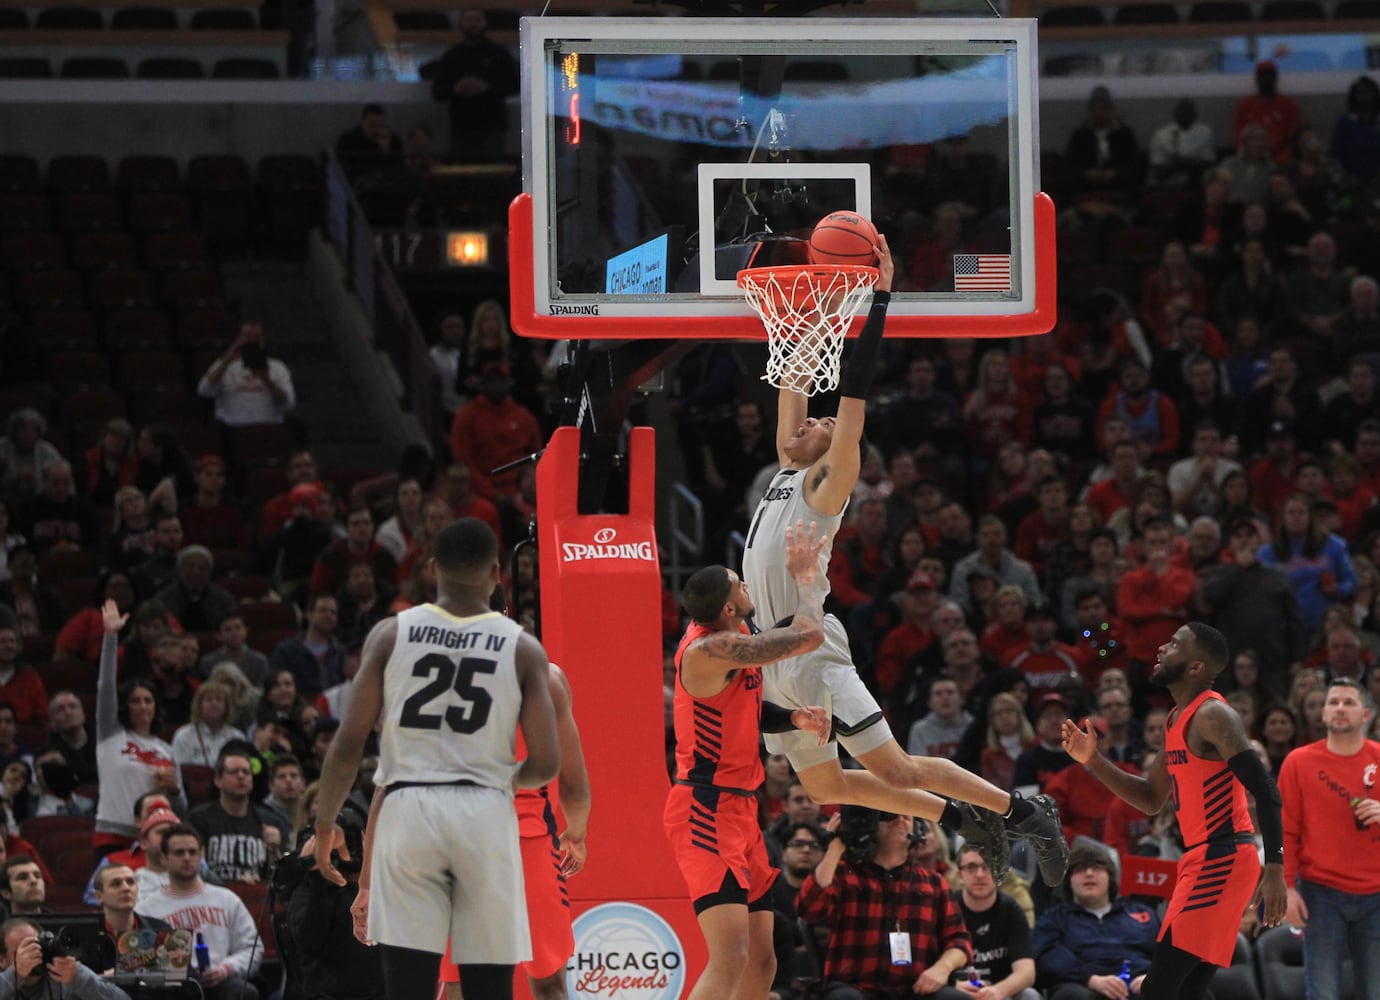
112	619
1080	744
885	264
814	719
802	551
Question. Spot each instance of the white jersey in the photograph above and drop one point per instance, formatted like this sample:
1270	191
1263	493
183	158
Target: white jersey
451	700
770	585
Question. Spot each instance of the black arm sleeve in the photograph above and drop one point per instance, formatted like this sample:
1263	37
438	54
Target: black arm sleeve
862	363
1252	774
776	719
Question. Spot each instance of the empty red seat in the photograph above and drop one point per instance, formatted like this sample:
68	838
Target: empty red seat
25	212
73	174
172	251
19	172
49	290
193	289
160	212
70	369
138	329
262	617
92	407
148	175
122	289
206	329
89	212
33	251
64	329
92	251
261	444
142	371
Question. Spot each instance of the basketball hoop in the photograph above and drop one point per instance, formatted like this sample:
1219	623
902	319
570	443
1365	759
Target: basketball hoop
807	310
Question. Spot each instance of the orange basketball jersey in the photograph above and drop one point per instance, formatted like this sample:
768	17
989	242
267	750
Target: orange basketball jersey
1211	803
716	738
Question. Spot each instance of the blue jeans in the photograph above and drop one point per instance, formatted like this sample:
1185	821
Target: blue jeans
1340	925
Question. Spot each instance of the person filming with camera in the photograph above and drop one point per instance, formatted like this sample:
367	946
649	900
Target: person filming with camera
895	929
325	957
31	967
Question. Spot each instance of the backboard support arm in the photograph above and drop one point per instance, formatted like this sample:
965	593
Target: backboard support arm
596	389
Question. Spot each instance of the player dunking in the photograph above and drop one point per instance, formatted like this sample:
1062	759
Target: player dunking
1205	745
711	813
820	462
450	683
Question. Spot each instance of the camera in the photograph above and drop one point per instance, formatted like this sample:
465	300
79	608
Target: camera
858	829
57	945
254	357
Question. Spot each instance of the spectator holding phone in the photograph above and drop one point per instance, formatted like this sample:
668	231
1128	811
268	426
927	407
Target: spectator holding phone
248	386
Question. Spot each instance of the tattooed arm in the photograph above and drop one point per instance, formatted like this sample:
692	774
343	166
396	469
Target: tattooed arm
707	666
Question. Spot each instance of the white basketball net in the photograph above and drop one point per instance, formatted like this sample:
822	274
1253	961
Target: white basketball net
807	311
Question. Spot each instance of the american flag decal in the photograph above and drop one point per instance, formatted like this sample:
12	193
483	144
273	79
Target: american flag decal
982	272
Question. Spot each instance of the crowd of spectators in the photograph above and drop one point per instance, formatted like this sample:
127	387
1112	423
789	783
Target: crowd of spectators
1197	439
174	653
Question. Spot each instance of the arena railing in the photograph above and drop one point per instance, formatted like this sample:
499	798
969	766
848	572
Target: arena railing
386	308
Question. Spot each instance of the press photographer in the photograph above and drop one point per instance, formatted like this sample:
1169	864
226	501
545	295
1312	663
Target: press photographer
895	930
35	966
325	960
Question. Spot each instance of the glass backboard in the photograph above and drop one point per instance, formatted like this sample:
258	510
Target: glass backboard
663	154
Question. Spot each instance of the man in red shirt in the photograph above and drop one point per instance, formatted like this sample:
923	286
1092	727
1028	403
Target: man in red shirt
457	487
277	511
1332	845
492	430
1115	493
1277	114
332	567
909	638
20	686
711	814
208	520
1272	477
1043	529
1046	663
1152	598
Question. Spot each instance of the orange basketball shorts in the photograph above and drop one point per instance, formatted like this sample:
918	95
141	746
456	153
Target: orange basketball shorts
548	912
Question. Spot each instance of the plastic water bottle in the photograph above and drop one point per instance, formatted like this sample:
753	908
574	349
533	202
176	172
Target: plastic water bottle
203	953
1125	974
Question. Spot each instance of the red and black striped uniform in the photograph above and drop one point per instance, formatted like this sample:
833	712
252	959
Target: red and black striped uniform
711	814
548	899
1220	867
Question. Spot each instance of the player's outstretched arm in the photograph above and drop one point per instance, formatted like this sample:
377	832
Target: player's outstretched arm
1219	725
834	476
704	664
1147	794
537	717
341	765
573	780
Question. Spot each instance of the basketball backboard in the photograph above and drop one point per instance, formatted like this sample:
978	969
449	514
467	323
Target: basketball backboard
647	141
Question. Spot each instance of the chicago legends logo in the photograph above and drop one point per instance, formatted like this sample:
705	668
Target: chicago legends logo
626	951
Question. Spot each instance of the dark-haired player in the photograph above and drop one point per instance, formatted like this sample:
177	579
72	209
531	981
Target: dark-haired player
450	683
1208	766
820	463
711	812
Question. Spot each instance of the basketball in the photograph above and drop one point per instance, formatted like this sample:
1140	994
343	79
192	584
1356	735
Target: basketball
844	238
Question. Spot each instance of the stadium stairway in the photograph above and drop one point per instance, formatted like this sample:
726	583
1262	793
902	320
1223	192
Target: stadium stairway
342	412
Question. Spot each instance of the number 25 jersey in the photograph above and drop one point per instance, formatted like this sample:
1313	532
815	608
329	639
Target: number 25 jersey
451	700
